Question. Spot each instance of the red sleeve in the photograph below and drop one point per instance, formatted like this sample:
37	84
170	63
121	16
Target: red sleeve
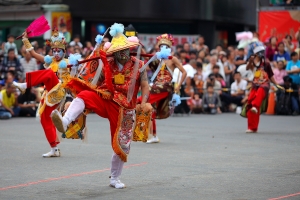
268	70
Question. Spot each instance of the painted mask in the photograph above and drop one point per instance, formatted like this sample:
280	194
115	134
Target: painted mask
58	54
122	55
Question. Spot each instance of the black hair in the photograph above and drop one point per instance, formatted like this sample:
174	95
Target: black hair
209	85
179	46
182	51
237	73
287	79
216	67
9	50
199	65
193	52
241	49
10	35
288	36
294	54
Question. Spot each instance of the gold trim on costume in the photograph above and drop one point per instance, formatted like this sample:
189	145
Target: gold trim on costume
119	79
115	144
27	44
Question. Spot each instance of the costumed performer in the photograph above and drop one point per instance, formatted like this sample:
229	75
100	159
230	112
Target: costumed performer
109	100
162	89
263	75
54	93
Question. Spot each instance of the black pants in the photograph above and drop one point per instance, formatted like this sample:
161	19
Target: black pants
237	100
27	112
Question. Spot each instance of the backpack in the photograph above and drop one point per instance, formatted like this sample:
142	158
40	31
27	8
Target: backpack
283	103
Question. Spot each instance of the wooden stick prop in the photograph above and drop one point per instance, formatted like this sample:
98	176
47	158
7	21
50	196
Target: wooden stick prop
110	55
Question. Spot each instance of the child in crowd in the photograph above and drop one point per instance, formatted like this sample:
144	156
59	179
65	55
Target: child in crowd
211	102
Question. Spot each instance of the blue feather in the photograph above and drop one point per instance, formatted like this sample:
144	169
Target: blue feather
62	64
176	99
164	53
48	59
115	29
73	58
99	39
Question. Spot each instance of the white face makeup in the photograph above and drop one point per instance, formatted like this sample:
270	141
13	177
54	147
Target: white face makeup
163	45
58	54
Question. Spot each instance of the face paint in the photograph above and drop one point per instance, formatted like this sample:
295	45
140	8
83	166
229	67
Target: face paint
163	45
122	55
58	54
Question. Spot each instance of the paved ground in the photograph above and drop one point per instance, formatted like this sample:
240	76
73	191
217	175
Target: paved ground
199	157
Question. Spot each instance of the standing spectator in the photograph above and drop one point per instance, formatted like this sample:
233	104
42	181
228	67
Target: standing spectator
201	57
211	102
11	62
9	105
183	58
293	68
28	63
271	49
65	32
201	45
10	44
229	68
288	45
186	47
279	72
281	54
88	49
297	36
198	79
241	58
28	103
76	41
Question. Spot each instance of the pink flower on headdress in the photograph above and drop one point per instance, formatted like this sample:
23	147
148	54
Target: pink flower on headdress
133	39
107	45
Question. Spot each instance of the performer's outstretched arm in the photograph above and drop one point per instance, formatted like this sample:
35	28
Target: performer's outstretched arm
30	49
182	70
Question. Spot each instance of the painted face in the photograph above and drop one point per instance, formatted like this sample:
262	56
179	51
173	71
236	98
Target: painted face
58	54
163	45
122	55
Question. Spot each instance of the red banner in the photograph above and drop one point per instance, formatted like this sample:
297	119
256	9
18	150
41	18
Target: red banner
278	24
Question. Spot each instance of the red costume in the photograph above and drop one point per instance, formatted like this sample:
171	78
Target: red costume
258	93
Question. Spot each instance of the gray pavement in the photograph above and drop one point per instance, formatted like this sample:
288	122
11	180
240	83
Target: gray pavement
199	157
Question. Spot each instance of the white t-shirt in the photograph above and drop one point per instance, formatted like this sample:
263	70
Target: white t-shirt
242	85
208	70
248	74
190	72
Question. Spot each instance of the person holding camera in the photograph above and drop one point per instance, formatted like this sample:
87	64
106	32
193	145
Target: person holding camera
260	86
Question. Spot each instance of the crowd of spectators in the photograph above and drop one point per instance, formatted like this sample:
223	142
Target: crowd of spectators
216	80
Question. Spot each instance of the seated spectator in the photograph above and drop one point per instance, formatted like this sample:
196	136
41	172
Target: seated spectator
9	105
241	57
237	89
28	103
28	63
279	72
288	44
211	102
209	68
287	102
198	79
229	68
293	68
76	41
280	55
88	49
247	75
195	104
11	62
215	83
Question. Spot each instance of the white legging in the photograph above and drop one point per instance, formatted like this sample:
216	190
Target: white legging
116	166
